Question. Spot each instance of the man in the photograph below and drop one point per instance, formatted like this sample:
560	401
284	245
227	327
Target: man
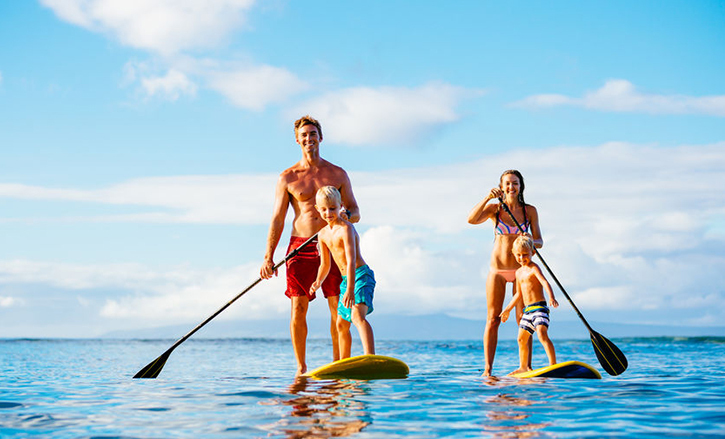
297	187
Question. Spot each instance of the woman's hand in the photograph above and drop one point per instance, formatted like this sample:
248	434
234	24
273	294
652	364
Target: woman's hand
495	193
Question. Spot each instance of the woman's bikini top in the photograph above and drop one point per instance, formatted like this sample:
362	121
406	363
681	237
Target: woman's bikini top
501	228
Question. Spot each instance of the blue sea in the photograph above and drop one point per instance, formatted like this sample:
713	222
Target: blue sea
232	388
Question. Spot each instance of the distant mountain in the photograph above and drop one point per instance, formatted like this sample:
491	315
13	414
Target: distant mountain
428	327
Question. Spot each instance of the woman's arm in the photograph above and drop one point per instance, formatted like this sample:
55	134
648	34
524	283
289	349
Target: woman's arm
535	229
481	211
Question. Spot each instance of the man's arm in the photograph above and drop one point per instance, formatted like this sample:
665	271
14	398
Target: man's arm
348	200
276	226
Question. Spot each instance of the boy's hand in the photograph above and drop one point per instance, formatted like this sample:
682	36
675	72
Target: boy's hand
554	303
315	286
505	315
348	300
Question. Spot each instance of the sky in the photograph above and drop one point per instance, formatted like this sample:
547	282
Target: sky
140	143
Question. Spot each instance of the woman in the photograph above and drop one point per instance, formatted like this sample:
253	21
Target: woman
503	263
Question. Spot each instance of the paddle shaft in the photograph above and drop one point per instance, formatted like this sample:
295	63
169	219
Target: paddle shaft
551	273
220	310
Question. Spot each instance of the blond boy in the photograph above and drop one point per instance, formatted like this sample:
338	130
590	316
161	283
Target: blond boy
530	283
340	240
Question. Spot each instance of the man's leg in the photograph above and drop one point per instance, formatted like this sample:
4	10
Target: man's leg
298	331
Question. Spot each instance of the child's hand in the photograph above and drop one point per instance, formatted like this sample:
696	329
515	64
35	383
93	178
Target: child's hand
504	315
348	300
554	303
315	286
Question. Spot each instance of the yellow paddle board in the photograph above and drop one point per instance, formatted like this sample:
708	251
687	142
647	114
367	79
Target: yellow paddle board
362	367
567	369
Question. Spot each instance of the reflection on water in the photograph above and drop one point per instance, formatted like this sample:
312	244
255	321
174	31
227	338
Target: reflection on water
325	409
509	419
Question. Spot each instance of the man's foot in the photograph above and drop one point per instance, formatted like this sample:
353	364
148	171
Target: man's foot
301	370
486	373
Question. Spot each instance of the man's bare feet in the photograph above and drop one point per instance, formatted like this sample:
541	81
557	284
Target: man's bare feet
301	370
486	373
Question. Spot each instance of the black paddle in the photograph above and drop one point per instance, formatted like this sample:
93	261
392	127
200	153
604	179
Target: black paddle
610	357
153	369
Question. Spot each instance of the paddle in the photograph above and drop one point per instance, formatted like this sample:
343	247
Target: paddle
153	369
610	357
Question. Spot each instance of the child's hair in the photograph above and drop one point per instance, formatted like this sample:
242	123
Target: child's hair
523	242
308	120
329	193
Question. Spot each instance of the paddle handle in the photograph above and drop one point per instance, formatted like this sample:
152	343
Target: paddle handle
291	254
551	273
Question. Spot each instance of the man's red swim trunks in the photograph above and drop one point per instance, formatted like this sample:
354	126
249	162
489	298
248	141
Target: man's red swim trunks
302	271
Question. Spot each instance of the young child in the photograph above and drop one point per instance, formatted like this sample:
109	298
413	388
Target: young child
530	283
340	239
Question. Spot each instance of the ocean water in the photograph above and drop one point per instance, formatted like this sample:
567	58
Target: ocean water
235	388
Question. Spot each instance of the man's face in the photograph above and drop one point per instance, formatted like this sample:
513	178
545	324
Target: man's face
308	137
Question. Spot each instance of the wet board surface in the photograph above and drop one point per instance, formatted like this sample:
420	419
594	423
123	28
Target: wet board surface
362	367
567	369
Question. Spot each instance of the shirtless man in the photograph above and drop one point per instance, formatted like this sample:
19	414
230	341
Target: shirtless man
297	187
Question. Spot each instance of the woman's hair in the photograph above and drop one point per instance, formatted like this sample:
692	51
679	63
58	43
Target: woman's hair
523	242
329	193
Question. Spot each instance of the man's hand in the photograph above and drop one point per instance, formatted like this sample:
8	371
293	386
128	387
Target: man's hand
267	270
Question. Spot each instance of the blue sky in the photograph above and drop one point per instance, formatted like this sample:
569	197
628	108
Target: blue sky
140	143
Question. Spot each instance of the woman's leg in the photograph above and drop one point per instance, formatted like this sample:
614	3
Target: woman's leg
495	295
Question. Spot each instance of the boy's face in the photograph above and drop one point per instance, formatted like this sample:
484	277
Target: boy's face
523	256
329	210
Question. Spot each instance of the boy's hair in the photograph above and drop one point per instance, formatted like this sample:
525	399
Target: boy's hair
329	193
308	120
523	242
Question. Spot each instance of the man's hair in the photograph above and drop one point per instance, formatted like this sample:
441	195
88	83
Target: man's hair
523	242
308	120
329	193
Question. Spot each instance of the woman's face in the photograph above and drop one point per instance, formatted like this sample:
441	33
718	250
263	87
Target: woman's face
510	185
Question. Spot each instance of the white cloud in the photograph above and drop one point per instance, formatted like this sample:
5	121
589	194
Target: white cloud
162	26
171	86
626	227
186	199
619	95
386	115
7	301
162	295
256	87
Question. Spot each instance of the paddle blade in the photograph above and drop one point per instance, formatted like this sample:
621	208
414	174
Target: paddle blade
610	357
153	369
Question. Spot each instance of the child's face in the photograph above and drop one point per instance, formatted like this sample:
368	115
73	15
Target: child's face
329	210
523	256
